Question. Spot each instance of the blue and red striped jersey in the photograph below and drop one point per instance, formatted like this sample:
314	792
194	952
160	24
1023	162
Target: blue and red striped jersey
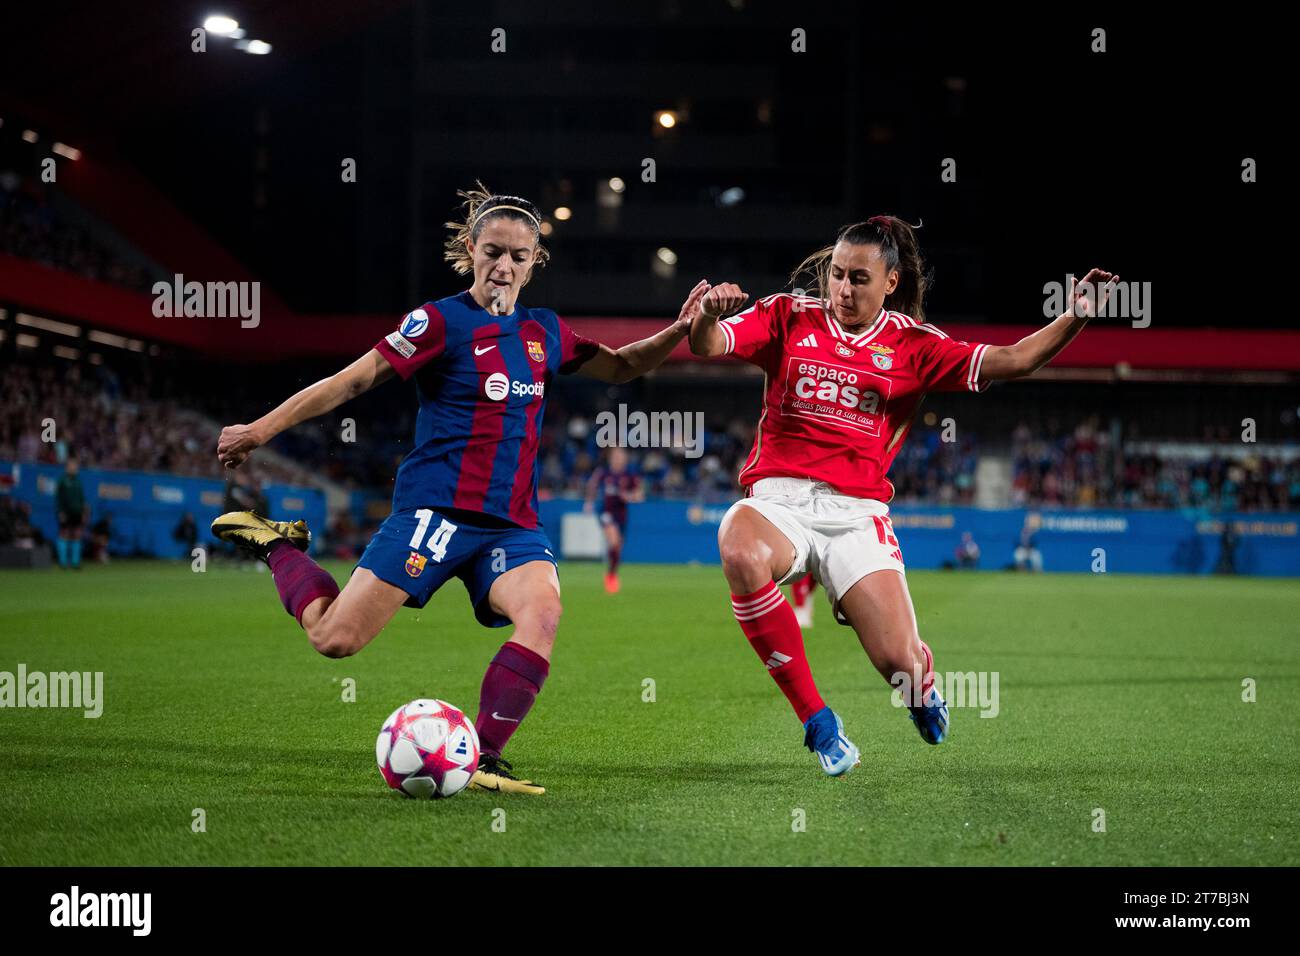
481	380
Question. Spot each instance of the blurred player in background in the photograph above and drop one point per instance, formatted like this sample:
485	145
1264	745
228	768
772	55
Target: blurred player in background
1027	556
465	498
801	591
846	372
967	552
101	533
616	487
243	493
187	533
70	506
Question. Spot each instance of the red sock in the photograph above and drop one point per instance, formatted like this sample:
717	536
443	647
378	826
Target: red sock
769	622
299	579
927	679
615	554
801	588
511	684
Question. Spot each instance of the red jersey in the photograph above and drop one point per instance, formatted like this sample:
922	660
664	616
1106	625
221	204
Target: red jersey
836	404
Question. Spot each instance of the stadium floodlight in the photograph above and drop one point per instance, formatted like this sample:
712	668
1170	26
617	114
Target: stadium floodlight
258	47
547	228
667	256
47	325
666	118
563	213
107	338
29	136
221	25
66	151
616	184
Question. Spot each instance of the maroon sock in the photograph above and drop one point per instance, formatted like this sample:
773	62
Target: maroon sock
615	554
299	579
511	684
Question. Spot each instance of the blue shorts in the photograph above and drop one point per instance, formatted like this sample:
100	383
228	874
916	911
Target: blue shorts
419	550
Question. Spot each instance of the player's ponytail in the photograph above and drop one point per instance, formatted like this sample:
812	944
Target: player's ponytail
898	245
481	206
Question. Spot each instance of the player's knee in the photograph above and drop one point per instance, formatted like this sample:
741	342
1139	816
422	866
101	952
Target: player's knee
544	616
537	623
746	562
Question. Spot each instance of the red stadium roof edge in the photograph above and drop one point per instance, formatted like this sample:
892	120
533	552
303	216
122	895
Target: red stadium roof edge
282	333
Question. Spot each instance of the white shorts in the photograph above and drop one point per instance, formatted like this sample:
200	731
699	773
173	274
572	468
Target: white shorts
839	538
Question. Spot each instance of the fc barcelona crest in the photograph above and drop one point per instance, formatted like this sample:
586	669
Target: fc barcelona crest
415	564
535	352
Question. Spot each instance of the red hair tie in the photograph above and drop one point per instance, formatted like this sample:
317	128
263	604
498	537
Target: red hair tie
882	220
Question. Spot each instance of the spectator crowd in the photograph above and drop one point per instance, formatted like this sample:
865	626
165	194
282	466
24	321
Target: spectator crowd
112	421
1086	467
32	228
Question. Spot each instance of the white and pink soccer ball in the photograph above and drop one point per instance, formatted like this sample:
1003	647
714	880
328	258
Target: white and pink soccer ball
428	748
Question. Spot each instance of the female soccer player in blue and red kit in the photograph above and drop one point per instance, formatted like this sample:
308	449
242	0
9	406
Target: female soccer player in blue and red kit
465	498
615	487
846	371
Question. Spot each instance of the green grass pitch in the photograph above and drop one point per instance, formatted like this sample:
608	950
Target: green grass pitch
1117	693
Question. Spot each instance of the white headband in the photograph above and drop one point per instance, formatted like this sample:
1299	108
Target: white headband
537	225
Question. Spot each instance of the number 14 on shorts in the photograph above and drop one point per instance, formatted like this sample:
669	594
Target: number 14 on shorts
439	539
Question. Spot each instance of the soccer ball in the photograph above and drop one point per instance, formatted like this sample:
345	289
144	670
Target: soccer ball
427	748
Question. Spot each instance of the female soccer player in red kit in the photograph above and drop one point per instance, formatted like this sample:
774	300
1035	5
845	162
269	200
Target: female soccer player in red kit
845	374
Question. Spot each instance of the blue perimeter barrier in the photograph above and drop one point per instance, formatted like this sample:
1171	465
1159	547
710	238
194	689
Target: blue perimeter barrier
146	507
1144	542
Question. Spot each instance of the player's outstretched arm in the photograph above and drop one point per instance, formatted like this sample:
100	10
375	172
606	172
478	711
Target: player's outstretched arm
706	338
1031	353
238	441
635	359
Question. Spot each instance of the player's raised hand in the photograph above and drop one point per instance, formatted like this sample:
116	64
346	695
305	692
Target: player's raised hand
236	444
691	307
1088	295
722	300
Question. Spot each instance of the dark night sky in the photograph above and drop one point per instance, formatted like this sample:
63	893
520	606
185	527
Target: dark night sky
1128	159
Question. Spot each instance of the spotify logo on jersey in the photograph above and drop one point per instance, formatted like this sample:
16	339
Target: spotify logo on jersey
498	385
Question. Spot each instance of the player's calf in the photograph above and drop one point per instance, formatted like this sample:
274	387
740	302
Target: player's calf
347	622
